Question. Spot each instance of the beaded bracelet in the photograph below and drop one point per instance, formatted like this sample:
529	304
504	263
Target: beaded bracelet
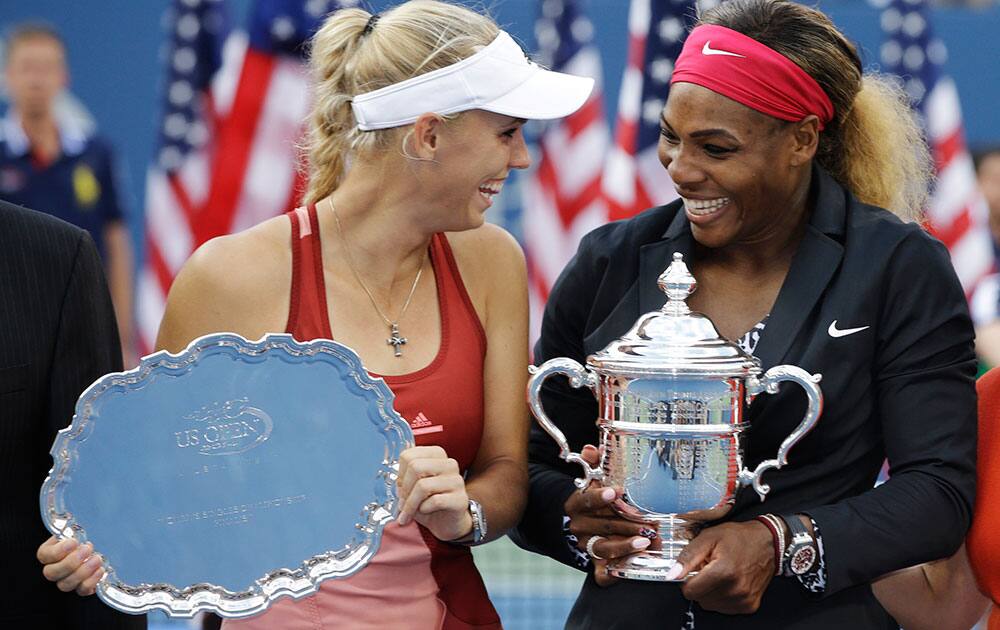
777	536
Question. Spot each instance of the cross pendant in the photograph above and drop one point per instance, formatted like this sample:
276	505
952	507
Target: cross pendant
395	340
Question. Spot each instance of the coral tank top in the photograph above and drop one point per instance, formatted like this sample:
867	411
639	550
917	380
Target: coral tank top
983	543
414	580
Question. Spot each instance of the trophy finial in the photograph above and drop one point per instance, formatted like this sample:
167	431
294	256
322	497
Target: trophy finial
678	283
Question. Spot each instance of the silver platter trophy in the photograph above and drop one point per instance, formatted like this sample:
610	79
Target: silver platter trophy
672	397
229	475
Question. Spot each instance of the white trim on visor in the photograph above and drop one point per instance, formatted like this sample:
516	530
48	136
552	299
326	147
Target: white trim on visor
498	78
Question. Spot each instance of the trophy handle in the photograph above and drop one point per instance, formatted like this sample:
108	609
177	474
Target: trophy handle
578	377
769	383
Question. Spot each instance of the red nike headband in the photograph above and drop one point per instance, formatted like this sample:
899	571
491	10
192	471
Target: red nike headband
741	68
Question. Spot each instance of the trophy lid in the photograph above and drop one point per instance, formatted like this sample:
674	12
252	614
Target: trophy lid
674	340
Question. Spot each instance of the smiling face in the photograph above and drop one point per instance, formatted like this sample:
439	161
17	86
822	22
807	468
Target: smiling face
475	155
743	175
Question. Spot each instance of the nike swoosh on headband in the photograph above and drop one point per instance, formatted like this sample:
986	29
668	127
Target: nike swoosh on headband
836	332
708	50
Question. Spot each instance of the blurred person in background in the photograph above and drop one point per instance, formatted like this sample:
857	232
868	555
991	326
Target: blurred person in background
985	303
49	163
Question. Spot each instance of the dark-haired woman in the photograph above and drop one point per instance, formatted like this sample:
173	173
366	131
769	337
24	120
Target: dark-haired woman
799	177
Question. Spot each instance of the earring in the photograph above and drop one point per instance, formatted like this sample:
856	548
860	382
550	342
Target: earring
404	153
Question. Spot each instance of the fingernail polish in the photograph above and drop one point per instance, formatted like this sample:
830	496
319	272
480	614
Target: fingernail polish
648	533
640	543
608	494
675	572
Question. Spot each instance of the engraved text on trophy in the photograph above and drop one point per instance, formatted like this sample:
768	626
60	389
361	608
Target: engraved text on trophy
231	514
225	428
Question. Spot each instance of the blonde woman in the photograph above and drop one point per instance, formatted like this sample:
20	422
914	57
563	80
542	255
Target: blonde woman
785	155
416	126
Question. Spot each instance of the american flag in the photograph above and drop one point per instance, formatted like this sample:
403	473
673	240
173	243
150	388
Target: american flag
957	213
235	102
562	196
634	179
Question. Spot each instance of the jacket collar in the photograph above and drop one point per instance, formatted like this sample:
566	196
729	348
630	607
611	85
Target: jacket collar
72	136
829	205
813	265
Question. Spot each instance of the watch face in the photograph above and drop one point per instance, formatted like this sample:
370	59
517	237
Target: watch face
802	559
478	522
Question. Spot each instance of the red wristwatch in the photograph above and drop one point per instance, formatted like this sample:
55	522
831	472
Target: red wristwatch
802	553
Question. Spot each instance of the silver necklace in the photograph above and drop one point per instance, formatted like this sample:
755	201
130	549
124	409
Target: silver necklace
395	339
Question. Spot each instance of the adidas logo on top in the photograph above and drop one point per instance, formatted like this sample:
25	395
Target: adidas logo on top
421	425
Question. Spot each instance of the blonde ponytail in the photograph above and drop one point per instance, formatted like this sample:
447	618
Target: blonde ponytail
329	140
408	40
886	160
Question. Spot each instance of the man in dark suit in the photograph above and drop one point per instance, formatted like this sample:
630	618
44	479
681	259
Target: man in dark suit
57	335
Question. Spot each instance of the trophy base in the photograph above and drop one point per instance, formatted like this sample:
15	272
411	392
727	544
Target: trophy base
649	565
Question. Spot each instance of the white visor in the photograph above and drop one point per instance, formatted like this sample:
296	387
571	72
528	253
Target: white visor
498	78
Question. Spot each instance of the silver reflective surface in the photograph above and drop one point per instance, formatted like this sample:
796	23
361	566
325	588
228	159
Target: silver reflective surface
229	475
671	444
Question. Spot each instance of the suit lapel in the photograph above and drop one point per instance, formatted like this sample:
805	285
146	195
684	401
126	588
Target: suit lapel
654	258
812	268
643	295
814	264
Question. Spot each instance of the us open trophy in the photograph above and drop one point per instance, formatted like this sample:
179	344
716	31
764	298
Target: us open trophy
672	401
229	475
